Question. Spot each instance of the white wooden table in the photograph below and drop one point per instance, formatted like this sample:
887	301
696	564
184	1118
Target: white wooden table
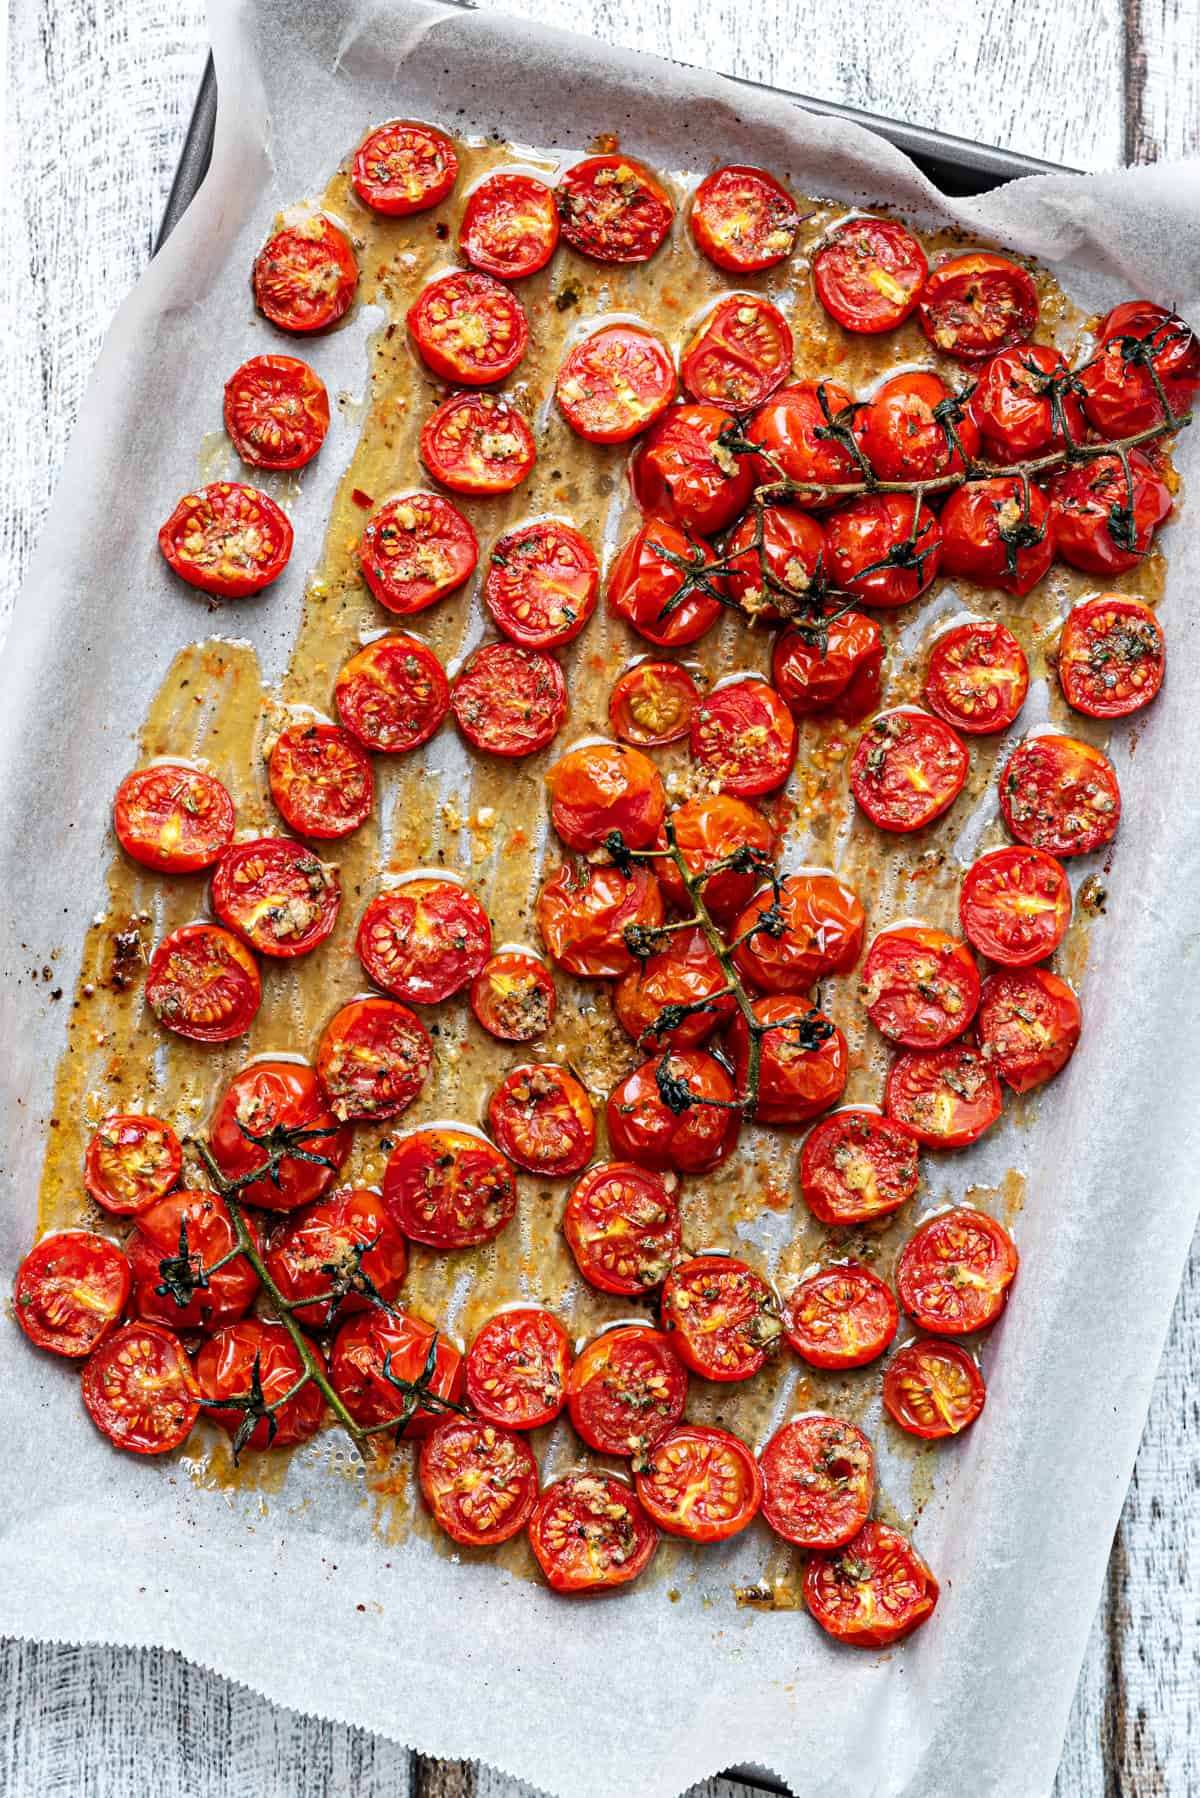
99	94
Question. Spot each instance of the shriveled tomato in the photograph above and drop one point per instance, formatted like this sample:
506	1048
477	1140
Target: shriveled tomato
947	1097
187	1273
954	1272
172	817
1060	795
795	441
740	353
139	1389
321	781
258	1360
710	831
203	983
722	1316
920	986
305	275
818	1481
974	305
469	328
885	548
622	1225
403	167
541	584
615	383
857	1165
478	443
1029	1023
131	1160
909	430
393	694
583	912
508	700
278	1102
683	978
338	1253
588	1532
276	412
480	1482
374	1350
541	1117
999	533
509	225
841	1316
933	1389
743	219
1121	396
700	1482
869	274
830	663
802	1059
1014	404
1103	522
227	539
627	1388
70	1290
613	209
773	559
602	788
908	769
977	677
793	934
681	471
1015	905
513	997
744	737
424	940
415	550
517	1368
277	895
1111	656
652	704
449	1188
677	1111
373	1059
660	585
872	1592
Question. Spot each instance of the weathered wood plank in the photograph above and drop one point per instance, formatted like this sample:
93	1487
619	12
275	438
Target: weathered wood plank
1162	65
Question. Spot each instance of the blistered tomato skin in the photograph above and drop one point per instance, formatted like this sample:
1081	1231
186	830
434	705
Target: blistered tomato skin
344	1245
583	912
791	433
678	1112
602	788
999	533
160	1296
893	529
1014	404
706	831
265	1098
231	1362
1120	396
803	1061
659	584
835	670
680	471
906	436
1105	522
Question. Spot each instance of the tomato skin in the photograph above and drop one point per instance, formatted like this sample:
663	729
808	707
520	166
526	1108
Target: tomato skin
173	818
448	1188
707	830
700	1482
901	436
469	328
541	1118
312	1248
602	788
1013	409
695	1139
132	1159
954	1272
542	583
415	550
509	701
838	671
321	781
305	276
872	1593
651	593
975	305
588	1531
276	412
612	226
480	1482
158	1237
907	770
743	220
361	1351
802	1069
920	986
788	546
842	1316
276	895
857	1165
818	1481
682	974
139	1389
517	1369
865	531
203	983
1060	795
513	997
403	167
1029	1024
627	1388
1119	396
722	1316
675	472
70	1290
227	539
1084	500
373	1059
974	519
947	1097
225	1369
509	226
269	1095
478	443
622	1225
393	694
823	925
788	430
977	677
583	912
652	704
744	736
615	383
424	940
1111	656
933	1389
739	355
869	274
1015	905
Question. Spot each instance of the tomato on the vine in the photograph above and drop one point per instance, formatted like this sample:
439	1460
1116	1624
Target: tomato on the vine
583	911
1104	522
977	677
803	1063
793	433
818	1481
424	940
321	780
1014	404
1029	1024
677	1111
681	471
908	430
773	559
602	788
709	831
343	1253
797	931
187	1274
227	539
884	548
373	1059
448	1188
374	1350
740	353
954	1272
622	1225
722	1316
659	584
869	273
278	1096
830	662
999	533
70	1290
256	1353
857	1165
684	977
1119	392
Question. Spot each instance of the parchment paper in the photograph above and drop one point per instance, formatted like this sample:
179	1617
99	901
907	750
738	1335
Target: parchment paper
294	1595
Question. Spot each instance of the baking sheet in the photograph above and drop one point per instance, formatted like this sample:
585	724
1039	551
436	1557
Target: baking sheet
292	1593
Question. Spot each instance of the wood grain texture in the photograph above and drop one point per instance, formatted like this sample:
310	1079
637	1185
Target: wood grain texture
99	95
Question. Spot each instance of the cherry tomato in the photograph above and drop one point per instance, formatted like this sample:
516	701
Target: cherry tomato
678	1111
415	550
869	274
973	305
988	538
402	167
723	1318
700	1482
588	1532
131	1160
613	209
933	1389
872	1592
920	986
1120	397
373	1059
709	830
509	226
541	584
1060	795
203	983
615	383
626	1389
226	1368
517	1369
373	1350
480	1482
802	1059
680	470
885	548
841	1316
469	328
508	700
791	432
904	438
70	1290
1029	1023
856	1166
1015	905
740	353
908	769
954	1272
622	1225
336	1247
513	997
179	1254
227	539
305	275
424	940
831	663
659	585
743	220
814	926
947	1097
977	677
602	788
652	704
584	911
276	412
277	895
818	1477
744	737
1111	656
173	818
140	1390
541	1117
269	1097
773	559
448	1188
477	443
393	694
321	781
686	973
1013	404
1104	523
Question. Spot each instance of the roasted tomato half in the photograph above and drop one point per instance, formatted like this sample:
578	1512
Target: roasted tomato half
393	694
541	1117
1015	905
305	275
377	1360
884	548
424	940
70	1290
227	539
841	1316
613	209
681	471
541	584
480	1482
415	550
173	818
974	305
832	662
627	1388
588	1531
403	167
872	1592
977	677
661	585
449	1188
857	1165
677	997
869	273
277	895
251	1360
478	443
513	997
1104	522
278	1103
373	1059
469	328
344	1253
773	559
947	1097
1121	396
998	533
1023	400
187	1273
509	225
615	383
677	1111
803	1061
743	219
933	1389
1111	656
276	412
744	737
652	704
203	983
131	1160
793	434
1029	1023
517	1368
915	429
321	780
1060	795
584	910
700	1482
139	1389
605	788
818	1481
508	700
740	354
722	1316
908	769
954	1272
709	832
622	1225
920	986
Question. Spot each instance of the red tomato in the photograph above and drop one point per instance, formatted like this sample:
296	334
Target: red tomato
517	1369
584	911
1015	905
652	704
271	1096
1060	795
908	769
869	274
305	275
373	1059
448	1188
920	986
626	1389
1013	404
680	470
477	443
1120	396
1029	1023
373	1350
226	1368
1104	523
613	209
739	355
700	1482
977	677
679	1111
903	436
331	1250
710	830
404	167
954	1272
723	1318
321	781
987	537
541	584
773	559
203	983
856	1166
508	700
480	1483
885	548
424	940
140	1390
830	663
173	818
685	974
1111	656
589	1532
622	1225
277	895
743	220
947	1097
70	1290
131	1160
814	926
469	328
873	1592
509	226
541	1117
818	1481
841	1316
276	412
602	788
973	305
415	550
615	383
187	1273
393	694
659	584
744	737
802	1060
933	1389
513	997
227	539
791	434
